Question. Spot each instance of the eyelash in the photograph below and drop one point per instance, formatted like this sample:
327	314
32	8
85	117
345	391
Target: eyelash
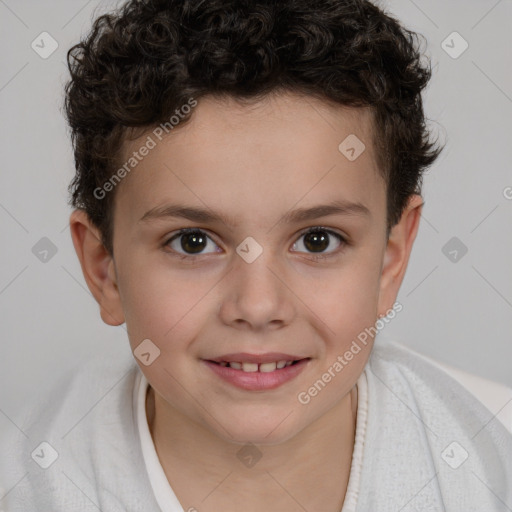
313	229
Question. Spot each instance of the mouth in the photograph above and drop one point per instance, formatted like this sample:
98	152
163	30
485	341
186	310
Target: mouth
257	372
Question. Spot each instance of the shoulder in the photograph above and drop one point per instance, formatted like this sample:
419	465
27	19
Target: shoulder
428	372
496	397
86	394
72	443
432	429
431	381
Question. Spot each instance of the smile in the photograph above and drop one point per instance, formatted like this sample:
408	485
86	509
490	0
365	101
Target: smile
253	376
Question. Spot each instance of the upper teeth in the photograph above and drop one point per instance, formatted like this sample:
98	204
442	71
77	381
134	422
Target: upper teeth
254	367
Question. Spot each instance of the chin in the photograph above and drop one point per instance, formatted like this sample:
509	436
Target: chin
272	431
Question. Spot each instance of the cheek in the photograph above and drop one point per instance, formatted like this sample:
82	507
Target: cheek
159	304
347	299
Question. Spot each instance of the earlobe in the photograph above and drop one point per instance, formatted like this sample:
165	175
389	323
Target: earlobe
397	252
97	266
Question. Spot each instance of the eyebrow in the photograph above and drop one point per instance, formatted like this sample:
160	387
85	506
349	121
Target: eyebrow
299	215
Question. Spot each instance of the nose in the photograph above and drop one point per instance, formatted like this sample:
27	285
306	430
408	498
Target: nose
256	295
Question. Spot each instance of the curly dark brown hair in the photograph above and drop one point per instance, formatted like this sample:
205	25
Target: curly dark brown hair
144	60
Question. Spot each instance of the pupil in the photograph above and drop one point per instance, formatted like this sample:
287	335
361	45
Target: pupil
321	241
193	242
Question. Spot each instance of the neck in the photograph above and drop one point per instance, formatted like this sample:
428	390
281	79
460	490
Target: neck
310	470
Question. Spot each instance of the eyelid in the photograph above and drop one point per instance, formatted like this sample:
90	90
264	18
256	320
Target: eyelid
323	228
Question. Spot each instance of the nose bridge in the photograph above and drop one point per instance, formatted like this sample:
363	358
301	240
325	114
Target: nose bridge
256	292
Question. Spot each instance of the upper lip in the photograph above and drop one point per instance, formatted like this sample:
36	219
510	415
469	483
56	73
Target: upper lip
245	357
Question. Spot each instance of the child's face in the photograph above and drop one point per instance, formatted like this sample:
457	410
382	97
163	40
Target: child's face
254	166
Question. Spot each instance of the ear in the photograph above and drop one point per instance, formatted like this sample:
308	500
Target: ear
97	267
398	250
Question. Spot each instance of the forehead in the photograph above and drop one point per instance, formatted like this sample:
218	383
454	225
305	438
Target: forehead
259	158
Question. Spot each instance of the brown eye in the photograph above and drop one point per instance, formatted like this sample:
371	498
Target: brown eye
193	242
318	239
189	241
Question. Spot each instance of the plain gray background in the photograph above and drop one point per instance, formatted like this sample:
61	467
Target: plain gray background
459	312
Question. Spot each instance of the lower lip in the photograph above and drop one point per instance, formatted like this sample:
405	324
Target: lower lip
258	381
